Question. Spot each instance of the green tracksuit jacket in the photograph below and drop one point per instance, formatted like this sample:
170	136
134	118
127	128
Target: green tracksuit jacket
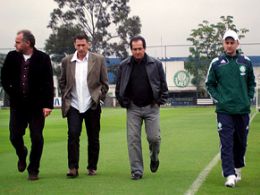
231	83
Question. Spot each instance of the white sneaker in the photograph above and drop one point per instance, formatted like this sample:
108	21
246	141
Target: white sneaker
238	174
231	181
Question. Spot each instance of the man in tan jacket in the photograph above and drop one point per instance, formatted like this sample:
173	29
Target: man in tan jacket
83	85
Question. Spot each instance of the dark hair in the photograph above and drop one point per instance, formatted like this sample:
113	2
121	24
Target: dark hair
81	36
137	38
27	36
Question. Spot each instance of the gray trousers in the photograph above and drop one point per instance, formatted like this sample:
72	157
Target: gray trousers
135	116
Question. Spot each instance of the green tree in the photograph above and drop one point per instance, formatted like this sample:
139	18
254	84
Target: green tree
106	22
206	45
60	42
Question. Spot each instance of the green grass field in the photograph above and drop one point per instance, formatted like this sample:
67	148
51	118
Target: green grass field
189	142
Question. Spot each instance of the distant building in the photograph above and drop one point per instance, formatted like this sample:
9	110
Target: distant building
181	90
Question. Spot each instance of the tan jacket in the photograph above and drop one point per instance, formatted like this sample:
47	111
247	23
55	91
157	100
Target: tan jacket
97	80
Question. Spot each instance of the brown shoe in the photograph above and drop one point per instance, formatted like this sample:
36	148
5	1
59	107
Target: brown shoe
72	173
33	176
92	172
21	165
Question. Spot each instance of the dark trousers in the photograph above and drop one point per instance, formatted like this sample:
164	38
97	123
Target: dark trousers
19	120
92	124
233	131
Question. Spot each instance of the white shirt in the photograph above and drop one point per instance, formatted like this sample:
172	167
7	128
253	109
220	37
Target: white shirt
26	57
81	99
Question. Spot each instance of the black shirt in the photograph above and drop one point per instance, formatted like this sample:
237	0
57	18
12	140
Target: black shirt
139	89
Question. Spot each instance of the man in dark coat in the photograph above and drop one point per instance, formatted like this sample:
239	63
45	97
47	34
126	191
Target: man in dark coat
27	78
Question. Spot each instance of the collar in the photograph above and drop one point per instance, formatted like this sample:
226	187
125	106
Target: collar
143	60
26	57
75	57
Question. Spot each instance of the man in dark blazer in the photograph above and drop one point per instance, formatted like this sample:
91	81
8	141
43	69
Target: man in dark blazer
83	85
27	78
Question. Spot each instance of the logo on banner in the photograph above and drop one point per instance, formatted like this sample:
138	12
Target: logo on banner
181	79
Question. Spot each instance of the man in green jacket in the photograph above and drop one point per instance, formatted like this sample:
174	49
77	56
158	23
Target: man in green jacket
231	84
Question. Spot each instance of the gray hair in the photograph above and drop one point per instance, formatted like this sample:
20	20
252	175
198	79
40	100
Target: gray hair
27	36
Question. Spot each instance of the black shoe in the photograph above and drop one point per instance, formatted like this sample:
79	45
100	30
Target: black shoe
154	165
33	176
136	176
21	165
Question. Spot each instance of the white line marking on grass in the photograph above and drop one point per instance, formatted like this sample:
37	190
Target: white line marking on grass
204	173
252	117
202	176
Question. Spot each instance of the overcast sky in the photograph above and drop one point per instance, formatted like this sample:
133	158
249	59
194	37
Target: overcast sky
166	22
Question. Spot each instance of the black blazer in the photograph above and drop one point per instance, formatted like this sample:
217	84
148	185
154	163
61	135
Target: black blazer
40	80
